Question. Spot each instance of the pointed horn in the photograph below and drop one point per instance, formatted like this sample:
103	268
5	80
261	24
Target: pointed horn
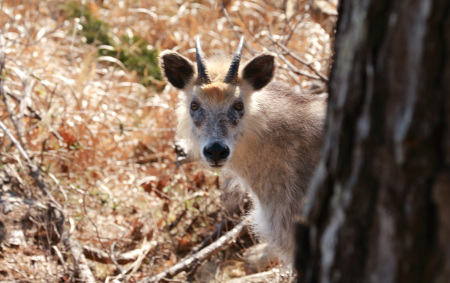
232	75
203	77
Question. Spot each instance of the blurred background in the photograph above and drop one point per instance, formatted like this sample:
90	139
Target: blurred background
82	94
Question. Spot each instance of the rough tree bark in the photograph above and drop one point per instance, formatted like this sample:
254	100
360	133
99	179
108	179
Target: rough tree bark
379	205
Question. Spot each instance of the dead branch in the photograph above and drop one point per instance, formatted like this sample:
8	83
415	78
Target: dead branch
34	169
103	257
191	262
84	273
60	258
70	245
140	255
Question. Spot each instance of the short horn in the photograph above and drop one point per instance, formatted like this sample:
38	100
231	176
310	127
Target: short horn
232	75
203	77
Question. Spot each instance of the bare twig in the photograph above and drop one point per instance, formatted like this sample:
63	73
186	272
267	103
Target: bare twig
174	224
33	114
288	38
225	13
285	49
290	67
192	261
5	101
293	29
294	69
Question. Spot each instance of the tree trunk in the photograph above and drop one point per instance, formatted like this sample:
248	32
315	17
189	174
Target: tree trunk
379	205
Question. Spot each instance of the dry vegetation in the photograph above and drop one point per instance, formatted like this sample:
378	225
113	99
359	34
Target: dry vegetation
82	95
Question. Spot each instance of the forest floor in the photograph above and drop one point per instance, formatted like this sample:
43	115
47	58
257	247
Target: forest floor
97	187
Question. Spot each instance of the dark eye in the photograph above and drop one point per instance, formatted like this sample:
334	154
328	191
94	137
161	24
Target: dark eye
194	105
238	106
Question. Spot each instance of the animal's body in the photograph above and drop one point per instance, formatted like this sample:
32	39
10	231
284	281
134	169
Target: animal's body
262	133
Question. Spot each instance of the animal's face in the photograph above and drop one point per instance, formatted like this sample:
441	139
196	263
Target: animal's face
213	111
216	111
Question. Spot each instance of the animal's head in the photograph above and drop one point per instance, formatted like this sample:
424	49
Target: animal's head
217	100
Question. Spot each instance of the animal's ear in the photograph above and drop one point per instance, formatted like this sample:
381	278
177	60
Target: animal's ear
259	71
177	69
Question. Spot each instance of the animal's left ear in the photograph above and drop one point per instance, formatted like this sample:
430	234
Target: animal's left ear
259	71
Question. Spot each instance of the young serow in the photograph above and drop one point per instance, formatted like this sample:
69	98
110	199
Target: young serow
262	133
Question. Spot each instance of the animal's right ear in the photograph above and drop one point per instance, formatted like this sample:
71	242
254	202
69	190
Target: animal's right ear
177	69
259	71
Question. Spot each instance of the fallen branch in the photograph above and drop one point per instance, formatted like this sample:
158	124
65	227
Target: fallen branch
225	224
83	273
141	254
192	261
103	257
274	275
214	236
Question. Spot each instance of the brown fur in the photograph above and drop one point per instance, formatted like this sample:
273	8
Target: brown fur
274	140
217	91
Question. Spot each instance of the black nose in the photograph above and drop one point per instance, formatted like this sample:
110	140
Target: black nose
216	152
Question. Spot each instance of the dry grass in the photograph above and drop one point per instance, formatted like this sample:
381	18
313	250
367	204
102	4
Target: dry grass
104	142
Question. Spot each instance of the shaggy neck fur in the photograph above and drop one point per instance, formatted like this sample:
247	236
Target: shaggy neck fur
275	161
